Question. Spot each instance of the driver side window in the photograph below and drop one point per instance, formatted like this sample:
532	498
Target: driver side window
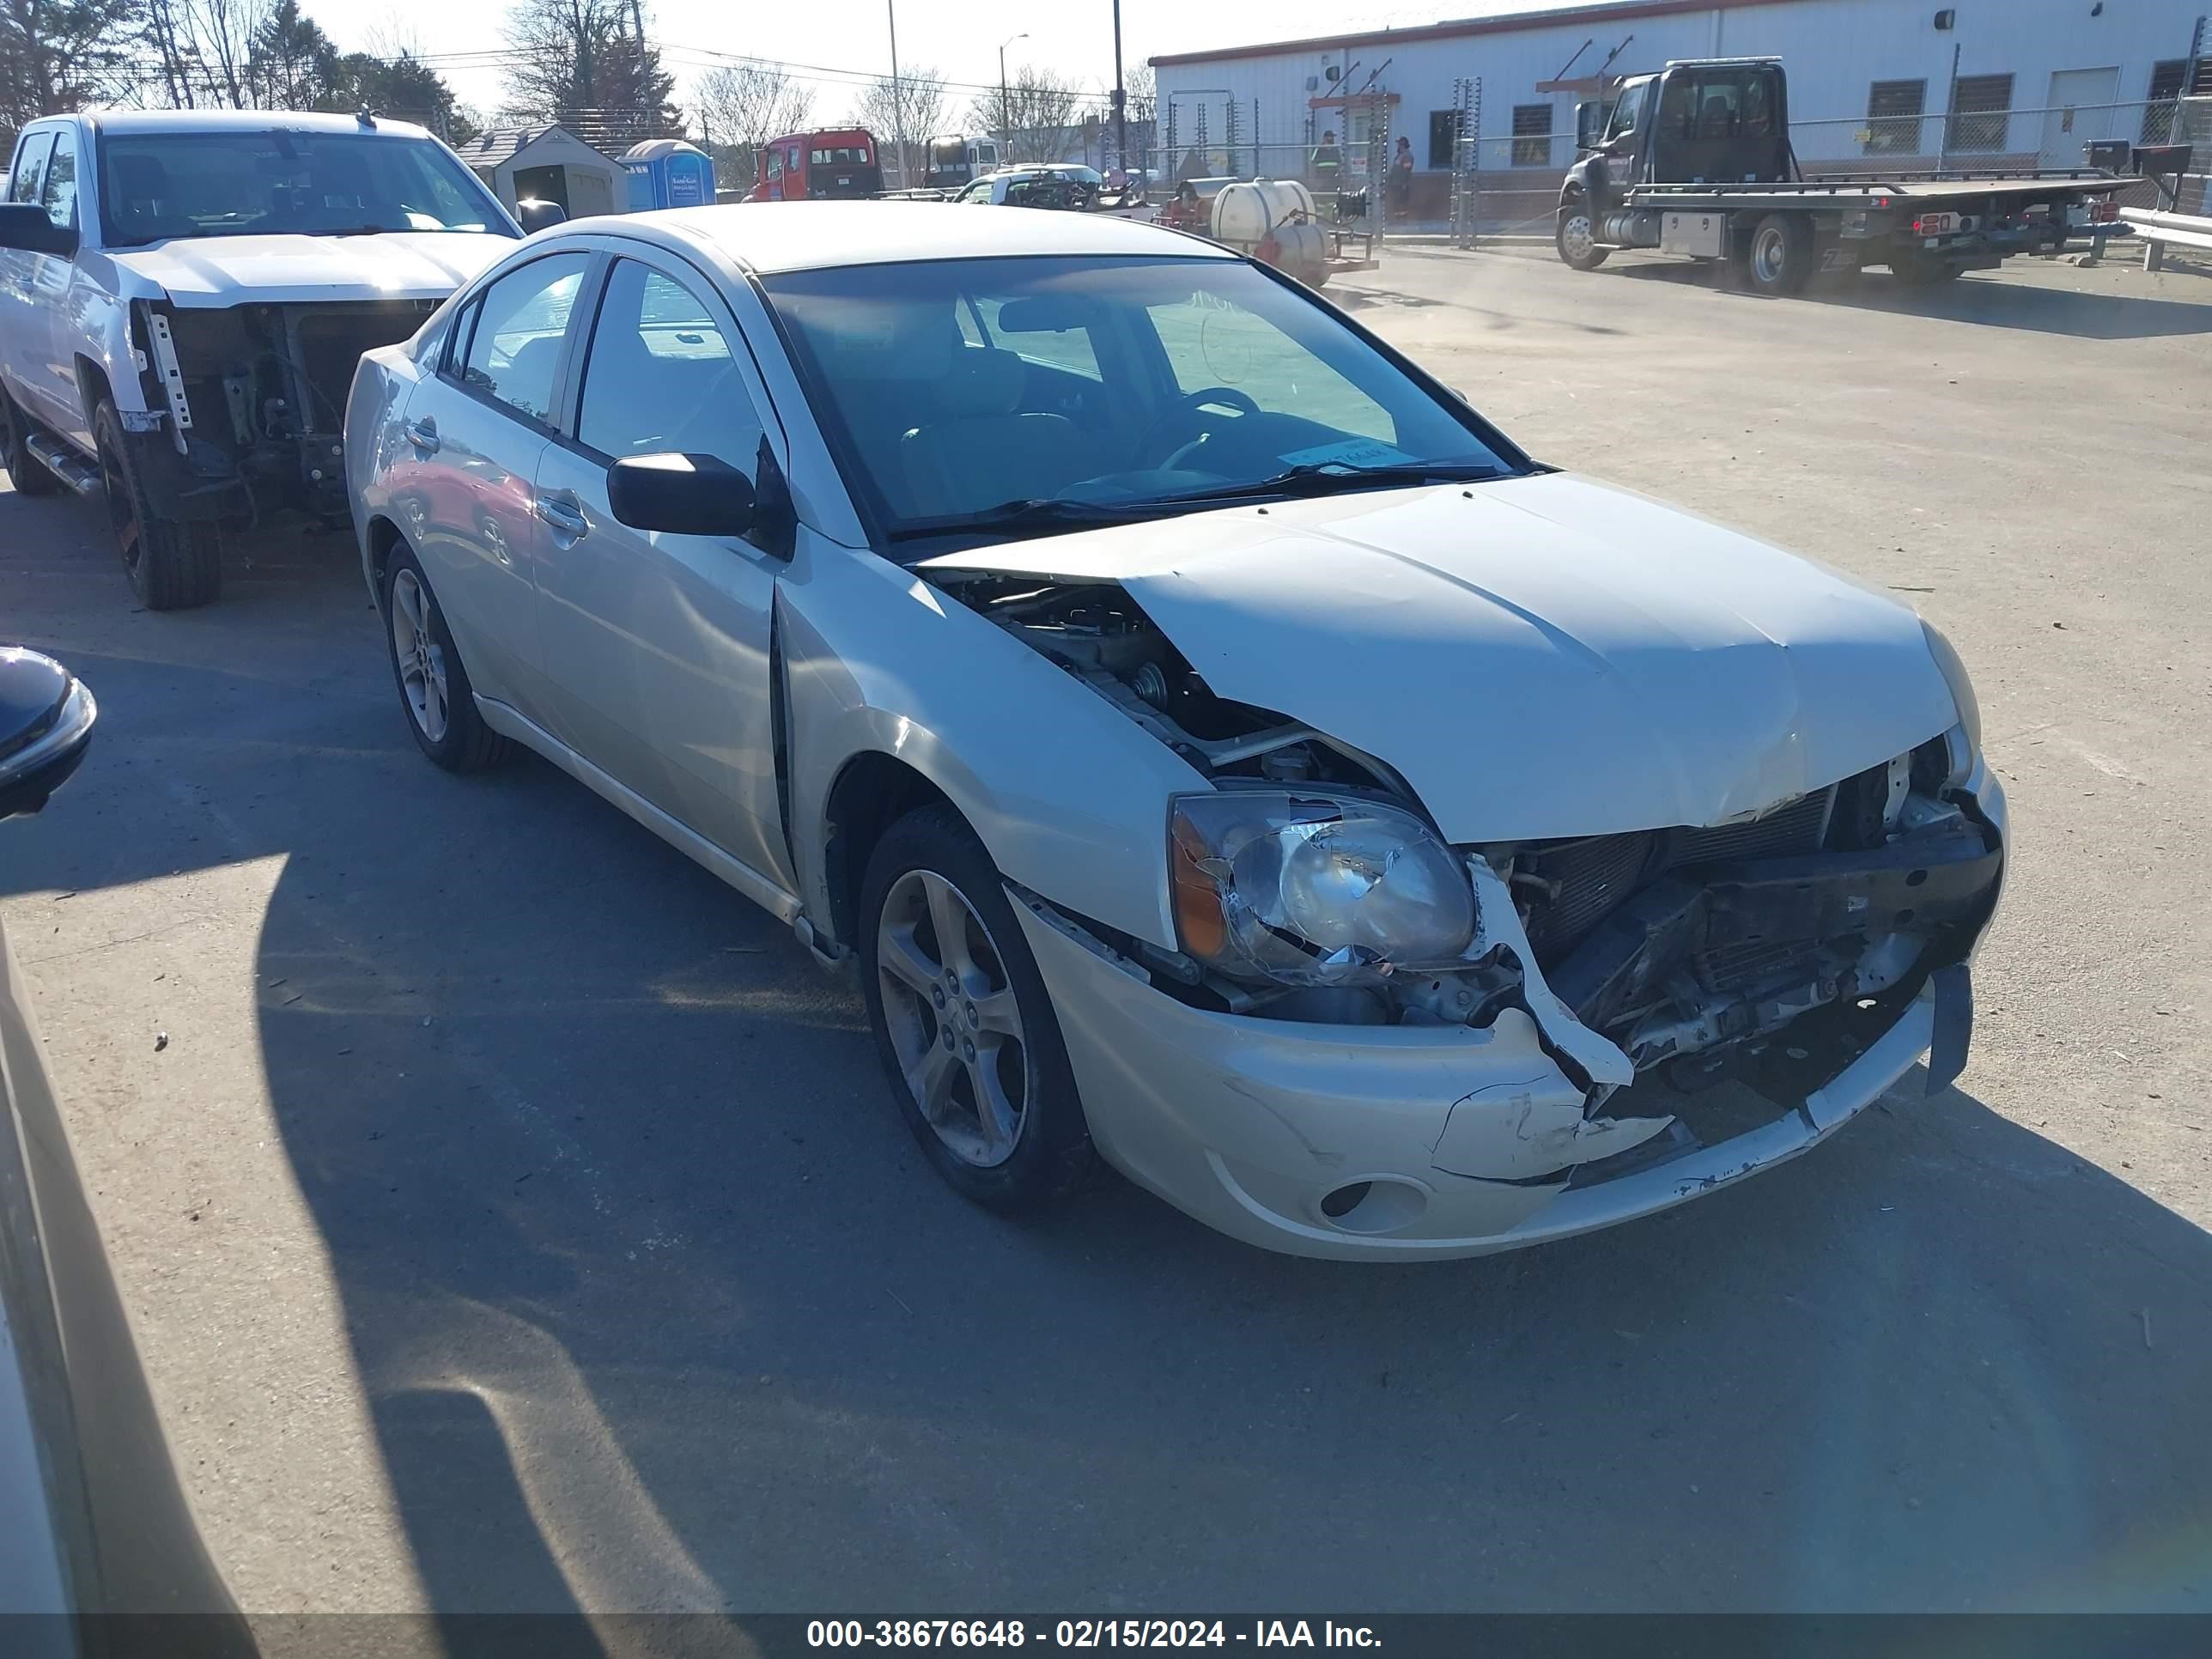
662	376
1624	116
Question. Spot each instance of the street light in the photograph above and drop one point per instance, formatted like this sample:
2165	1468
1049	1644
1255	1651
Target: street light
1005	121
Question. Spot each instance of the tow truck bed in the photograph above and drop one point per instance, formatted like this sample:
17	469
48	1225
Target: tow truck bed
1868	190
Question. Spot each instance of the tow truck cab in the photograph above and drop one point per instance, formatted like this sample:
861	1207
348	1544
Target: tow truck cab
1713	121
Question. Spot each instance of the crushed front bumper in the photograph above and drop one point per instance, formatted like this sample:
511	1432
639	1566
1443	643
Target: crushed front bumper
1412	1142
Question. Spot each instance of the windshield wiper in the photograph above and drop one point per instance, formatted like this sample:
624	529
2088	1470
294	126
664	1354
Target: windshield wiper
1326	478
357	230
1030	511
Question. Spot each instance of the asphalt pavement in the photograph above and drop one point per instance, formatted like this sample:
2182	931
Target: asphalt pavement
514	1219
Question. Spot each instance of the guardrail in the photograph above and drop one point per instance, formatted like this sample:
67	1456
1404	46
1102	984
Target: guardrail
2160	231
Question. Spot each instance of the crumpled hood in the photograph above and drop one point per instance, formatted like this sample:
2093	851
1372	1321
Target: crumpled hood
211	272
1538	657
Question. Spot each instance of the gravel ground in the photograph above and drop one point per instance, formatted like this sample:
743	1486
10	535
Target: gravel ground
515	1220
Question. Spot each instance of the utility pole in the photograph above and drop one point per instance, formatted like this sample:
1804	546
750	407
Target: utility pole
1120	99
1006	119
898	99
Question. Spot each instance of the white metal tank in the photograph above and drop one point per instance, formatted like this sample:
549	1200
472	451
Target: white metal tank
1244	213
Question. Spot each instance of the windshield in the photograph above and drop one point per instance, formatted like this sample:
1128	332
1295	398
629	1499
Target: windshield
157	186
957	389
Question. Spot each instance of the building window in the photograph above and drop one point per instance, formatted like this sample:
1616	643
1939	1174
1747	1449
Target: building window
1532	135
1444	128
2166	86
1893	111
1979	104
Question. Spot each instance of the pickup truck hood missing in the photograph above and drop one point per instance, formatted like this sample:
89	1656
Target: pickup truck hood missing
1538	657
217	271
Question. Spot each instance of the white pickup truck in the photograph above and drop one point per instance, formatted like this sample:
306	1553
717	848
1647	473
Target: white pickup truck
184	296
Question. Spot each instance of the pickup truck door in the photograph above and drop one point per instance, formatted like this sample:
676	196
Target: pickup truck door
25	331
473	432
657	644
57	323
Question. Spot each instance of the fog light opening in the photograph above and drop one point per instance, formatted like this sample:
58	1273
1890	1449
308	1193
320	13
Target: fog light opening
1379	1205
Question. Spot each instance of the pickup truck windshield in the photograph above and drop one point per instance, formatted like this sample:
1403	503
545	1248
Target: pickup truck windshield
155	186
984	397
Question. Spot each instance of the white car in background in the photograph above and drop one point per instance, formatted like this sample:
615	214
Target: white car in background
1220	751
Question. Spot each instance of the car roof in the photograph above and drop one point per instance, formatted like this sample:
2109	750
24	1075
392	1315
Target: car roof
775	236
245	120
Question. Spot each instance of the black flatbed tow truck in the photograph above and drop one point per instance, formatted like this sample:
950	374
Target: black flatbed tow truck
1696	160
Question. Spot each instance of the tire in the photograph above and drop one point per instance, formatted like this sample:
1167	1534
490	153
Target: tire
23	469
1781	257
439	708
1030	1154
1575	237
172	566
1914	269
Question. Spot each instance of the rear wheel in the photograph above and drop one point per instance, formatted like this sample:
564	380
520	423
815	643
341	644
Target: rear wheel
1577	237
434	686
1781	259
172	566
24	471
963	1022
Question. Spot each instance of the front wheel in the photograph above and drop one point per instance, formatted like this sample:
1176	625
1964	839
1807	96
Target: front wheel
963	1022
1781	259
173	566
1577	238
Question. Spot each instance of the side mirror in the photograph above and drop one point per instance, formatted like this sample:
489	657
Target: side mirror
46	726
1589	124
534	215
24	226
684	494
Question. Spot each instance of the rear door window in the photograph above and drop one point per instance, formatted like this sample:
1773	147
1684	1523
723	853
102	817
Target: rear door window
514	356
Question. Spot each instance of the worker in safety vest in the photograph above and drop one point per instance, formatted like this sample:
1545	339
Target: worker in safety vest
1327	163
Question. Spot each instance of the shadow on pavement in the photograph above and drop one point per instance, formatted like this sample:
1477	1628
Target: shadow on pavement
657	1307
1971	299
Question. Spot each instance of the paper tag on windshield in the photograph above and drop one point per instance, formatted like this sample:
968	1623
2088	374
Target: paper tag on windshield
1353	451
862	331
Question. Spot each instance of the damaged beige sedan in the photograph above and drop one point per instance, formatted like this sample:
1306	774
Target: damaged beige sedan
1219	752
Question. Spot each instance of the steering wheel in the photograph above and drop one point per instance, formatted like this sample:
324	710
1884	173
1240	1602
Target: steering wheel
1186	407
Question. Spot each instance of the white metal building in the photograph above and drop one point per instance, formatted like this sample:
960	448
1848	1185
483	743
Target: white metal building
1871	84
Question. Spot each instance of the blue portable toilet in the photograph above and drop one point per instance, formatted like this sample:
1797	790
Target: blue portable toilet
667	172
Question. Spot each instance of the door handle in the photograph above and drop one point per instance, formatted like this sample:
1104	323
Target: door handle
561	514
423	435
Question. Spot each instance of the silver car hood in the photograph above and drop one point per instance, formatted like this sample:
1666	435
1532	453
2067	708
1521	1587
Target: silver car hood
1538	657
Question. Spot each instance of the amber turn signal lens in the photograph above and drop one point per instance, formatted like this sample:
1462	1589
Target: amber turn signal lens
1199	921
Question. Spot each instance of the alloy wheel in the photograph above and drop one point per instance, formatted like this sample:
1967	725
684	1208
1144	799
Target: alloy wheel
1578	237
954	1023
422	661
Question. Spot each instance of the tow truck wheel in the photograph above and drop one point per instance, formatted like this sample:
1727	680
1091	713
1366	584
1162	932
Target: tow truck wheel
172	566
1781	254
24	471
1577	238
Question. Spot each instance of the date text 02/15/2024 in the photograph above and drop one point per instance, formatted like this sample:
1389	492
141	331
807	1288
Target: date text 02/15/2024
1079	1633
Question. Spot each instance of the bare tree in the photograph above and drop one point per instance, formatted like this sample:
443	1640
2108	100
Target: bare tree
219	47
744	106
1140	94
587	63
918	111
1036	112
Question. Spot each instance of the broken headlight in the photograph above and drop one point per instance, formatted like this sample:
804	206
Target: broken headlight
1313	891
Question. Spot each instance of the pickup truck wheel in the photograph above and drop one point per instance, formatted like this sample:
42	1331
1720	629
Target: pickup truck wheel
963	1021
1577	238
1781	254
172	566
24	471
434	687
